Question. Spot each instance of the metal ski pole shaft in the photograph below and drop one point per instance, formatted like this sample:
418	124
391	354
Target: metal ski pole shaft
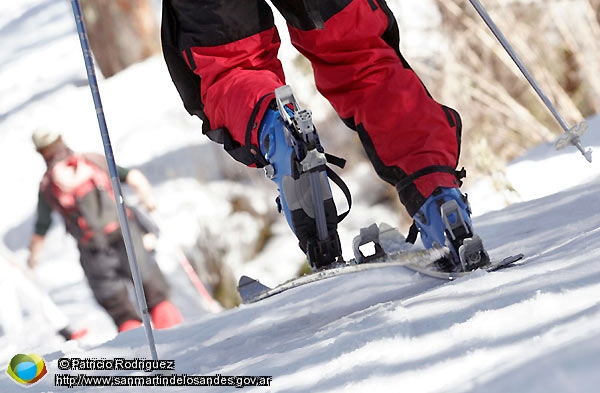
572	134
152	223
112	168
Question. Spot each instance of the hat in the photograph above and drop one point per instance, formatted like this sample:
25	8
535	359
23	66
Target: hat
44	137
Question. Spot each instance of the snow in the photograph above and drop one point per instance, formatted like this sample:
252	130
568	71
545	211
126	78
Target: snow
532	328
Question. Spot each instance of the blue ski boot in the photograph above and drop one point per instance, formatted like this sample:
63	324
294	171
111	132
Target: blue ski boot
445	220
297	164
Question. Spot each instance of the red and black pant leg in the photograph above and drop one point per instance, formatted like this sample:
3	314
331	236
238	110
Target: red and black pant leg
353	45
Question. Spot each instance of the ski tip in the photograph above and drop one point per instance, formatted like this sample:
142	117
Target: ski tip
515	258
245	280
249	288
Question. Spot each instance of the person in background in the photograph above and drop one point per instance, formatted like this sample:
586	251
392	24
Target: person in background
78	187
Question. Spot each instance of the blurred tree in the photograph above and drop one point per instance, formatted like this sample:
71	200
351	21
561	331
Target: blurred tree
559	41
595	4
121	32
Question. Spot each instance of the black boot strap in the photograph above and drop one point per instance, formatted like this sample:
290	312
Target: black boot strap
413	231
408	180
339	162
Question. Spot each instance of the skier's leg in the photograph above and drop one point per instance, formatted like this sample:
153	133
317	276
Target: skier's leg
229	51
101	269
412	141
359	69
163	312
232	48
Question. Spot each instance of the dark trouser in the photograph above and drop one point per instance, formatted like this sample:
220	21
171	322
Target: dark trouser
222	56
107	272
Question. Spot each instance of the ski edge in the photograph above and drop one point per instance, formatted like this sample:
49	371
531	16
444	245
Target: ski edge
252	290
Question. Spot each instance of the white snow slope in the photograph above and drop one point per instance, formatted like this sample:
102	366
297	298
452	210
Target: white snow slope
531	328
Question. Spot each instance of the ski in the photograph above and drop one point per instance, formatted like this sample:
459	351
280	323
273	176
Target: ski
421	261
252	290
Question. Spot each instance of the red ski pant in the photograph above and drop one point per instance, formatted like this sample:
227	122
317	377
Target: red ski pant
412	141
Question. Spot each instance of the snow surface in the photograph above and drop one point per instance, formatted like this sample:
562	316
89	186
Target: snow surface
531	328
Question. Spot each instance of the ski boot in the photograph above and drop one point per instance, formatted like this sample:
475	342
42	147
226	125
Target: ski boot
445	220
297	164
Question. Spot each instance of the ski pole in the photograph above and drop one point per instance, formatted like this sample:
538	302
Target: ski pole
151	223
112	168
571	134
196	282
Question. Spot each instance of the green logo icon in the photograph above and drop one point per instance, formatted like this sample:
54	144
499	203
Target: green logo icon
27	370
